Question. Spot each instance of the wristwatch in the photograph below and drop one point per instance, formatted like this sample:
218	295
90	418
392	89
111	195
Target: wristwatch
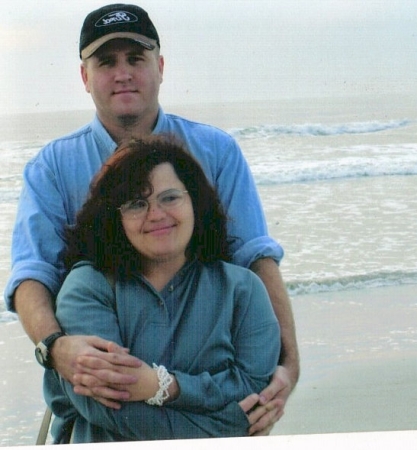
43	349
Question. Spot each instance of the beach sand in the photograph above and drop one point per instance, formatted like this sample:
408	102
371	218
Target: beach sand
358	354
22	404
358	358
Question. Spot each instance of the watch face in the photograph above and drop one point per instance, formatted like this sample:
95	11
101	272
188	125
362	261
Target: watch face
39	356
41	353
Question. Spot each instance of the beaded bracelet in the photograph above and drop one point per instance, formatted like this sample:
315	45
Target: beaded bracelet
164	381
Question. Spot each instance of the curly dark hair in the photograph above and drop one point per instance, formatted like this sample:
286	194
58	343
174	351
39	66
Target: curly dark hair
98	234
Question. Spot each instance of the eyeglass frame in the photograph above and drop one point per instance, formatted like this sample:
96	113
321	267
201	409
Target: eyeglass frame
130	214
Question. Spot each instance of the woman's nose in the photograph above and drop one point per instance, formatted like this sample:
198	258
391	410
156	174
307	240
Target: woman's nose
155	211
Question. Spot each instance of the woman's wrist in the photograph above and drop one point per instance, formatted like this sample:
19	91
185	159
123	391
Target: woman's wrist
173	390
147	384
165	380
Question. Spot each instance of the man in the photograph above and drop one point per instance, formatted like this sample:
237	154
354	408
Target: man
122	69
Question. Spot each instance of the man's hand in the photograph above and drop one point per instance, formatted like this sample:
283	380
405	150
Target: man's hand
144	388
95	367
76	357
265	409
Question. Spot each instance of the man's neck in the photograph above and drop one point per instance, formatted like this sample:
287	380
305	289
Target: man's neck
128	127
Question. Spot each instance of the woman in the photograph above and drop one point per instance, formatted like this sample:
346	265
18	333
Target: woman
203	328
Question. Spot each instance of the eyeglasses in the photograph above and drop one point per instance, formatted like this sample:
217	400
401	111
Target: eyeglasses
138	208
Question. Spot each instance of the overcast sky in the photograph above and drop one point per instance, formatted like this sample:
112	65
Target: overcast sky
218	50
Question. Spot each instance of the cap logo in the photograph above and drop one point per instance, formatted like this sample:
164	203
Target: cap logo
116	17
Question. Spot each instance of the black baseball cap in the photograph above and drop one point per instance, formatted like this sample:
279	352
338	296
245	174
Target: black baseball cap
117	21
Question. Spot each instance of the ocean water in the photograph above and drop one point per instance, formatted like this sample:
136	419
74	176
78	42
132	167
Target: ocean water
337	178
340	197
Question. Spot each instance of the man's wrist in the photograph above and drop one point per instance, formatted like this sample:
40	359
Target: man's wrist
292	369
43	349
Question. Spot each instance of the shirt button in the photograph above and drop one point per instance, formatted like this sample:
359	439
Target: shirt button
171	288
161	303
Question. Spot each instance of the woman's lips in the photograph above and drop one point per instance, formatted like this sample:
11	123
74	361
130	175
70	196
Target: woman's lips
157	231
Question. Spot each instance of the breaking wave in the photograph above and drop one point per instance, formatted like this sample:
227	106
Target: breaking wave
317	129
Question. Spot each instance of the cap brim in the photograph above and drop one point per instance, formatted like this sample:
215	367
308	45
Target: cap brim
139	38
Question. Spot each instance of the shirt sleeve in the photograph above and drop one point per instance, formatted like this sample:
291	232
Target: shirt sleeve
256	339
247	226
37	242
140	421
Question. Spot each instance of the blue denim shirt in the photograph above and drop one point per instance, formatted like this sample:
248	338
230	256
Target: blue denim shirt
56	183
212	326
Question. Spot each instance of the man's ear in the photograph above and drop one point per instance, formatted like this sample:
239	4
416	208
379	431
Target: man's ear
84	76
161	64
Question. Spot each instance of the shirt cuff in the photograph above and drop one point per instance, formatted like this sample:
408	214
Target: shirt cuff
193	388
37	271
258	248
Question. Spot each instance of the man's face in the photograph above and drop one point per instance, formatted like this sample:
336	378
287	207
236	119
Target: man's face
123	79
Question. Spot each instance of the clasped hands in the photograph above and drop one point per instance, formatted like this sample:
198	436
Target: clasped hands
104	371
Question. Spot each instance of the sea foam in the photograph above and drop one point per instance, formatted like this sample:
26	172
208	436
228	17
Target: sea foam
317	129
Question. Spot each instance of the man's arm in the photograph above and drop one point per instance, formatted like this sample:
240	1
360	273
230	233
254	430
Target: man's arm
272	399
268	270
33	303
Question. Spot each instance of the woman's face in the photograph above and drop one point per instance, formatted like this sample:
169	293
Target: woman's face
161	227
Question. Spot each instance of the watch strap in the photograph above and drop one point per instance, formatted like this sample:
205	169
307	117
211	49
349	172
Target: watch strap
44	348
48	341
